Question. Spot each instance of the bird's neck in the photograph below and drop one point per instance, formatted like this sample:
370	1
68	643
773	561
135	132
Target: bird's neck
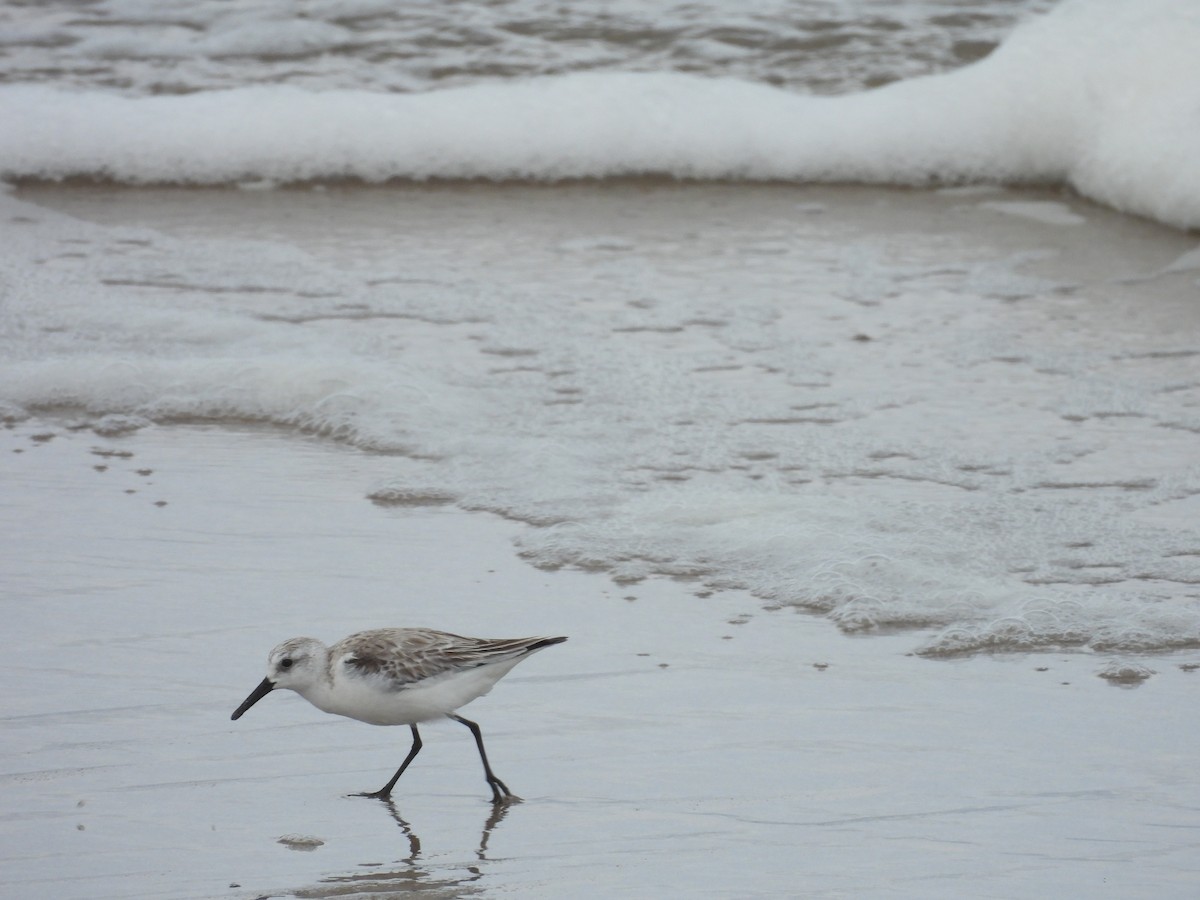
319	691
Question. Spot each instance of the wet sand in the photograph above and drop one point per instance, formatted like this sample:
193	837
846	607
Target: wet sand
676	746
684	742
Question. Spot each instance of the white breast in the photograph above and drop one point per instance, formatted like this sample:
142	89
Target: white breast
378	700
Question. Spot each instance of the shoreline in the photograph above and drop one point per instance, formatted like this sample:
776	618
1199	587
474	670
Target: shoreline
685	740
698	741
970	356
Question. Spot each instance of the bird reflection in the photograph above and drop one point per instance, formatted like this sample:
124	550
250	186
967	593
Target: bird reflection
499	811
414	842
412	876
495	817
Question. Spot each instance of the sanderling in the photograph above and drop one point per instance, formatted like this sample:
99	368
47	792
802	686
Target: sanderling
397	676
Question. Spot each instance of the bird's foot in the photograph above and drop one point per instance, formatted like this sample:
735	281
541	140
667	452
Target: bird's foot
374	795
501	795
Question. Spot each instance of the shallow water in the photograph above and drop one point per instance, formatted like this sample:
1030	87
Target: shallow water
972	411
787	462
672	745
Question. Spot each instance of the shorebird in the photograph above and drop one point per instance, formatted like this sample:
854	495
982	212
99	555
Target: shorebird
397	676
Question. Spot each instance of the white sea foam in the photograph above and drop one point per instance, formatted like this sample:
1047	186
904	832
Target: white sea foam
683	401
1101	95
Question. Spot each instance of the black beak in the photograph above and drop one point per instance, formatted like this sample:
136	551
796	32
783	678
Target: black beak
255	695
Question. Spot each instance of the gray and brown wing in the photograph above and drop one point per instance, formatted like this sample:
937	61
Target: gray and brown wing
408	656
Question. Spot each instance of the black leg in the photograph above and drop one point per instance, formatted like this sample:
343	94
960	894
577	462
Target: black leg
386	791
500	791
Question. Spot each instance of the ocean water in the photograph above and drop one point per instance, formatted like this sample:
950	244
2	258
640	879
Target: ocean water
171	47
1100	95
709	372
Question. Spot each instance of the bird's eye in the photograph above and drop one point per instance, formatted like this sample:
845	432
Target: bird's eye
285	664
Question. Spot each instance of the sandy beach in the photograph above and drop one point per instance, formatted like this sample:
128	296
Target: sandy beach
828	373
678	745
687	741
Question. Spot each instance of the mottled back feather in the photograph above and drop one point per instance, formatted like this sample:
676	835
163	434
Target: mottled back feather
407	656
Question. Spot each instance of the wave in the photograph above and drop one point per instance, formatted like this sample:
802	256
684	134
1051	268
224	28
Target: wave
1100	95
